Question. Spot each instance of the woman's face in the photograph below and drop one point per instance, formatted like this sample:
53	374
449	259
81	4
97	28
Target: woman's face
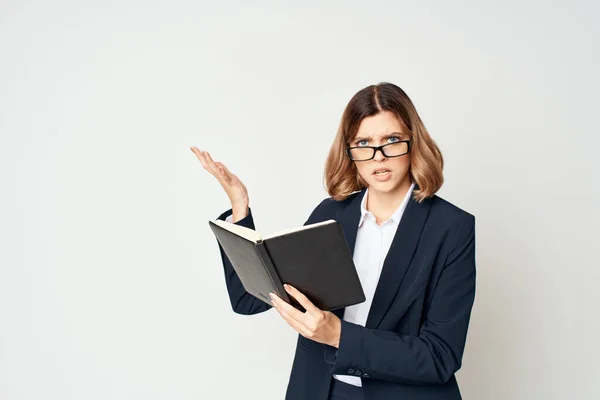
377	130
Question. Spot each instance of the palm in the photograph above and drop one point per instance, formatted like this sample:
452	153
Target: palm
233	186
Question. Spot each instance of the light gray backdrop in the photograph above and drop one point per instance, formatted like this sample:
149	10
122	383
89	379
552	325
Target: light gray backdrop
111	285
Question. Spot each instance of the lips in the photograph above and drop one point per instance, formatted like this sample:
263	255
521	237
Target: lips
381	169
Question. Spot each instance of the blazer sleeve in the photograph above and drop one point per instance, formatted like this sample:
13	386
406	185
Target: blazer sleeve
243	302
435	354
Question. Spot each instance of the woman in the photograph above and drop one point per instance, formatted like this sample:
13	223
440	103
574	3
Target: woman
414	253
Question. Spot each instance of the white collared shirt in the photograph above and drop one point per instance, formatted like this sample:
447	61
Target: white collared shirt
371	247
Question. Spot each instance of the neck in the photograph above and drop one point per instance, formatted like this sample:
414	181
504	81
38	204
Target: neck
385	203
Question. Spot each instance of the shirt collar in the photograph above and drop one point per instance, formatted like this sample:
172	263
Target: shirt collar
395	216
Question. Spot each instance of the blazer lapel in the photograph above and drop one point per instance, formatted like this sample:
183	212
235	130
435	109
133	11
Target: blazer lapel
398	258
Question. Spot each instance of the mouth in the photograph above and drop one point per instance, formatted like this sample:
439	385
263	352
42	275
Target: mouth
382	174
381	171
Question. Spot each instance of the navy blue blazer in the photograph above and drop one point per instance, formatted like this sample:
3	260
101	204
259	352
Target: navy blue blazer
412	343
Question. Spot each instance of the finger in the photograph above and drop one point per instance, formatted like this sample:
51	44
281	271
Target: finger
209	158
201	156
198	153
288	309
208	163
215	166
297	325
302	299
222	169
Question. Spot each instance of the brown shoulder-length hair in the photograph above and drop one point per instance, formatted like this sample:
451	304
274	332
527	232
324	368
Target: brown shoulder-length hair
426	162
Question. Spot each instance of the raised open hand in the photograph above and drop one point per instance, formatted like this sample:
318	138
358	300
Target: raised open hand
233	186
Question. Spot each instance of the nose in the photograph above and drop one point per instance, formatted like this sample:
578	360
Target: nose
379	155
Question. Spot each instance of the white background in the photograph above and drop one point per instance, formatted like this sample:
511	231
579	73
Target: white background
111	285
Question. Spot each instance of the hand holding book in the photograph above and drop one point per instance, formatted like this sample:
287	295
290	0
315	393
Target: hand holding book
314	324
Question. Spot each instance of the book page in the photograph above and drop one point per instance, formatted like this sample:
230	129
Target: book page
300	228
239	230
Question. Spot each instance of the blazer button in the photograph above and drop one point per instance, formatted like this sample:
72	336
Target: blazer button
350	370
358	373
366	375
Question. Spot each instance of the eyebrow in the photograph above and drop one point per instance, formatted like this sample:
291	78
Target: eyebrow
356	139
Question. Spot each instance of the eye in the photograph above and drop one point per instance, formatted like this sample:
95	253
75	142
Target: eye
395	137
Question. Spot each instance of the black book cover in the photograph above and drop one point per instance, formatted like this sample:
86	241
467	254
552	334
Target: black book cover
314	258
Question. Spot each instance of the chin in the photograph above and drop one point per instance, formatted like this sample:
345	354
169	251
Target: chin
386	186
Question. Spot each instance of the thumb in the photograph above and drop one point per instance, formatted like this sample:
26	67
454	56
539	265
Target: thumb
221	167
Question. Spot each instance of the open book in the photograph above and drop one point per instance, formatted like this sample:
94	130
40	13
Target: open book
314	258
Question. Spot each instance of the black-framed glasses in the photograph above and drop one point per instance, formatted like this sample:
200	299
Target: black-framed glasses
365	153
